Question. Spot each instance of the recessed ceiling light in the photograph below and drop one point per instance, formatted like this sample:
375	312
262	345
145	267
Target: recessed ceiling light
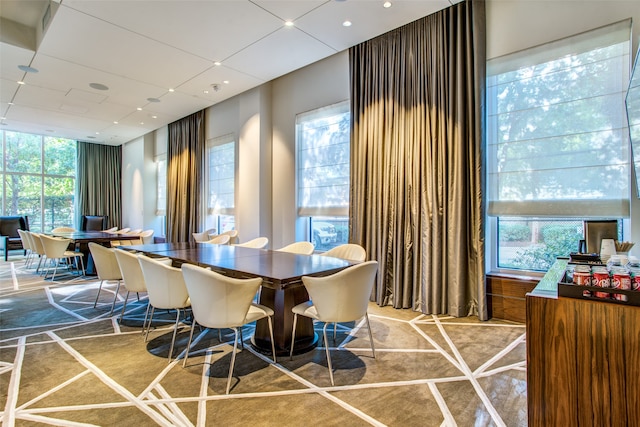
225	82
9	103
139	108
97	133
171	90
20	82
346	24
115	122
205	91
154	117
386	4
288	23
153	100
98	86
27	69
141	123
217	63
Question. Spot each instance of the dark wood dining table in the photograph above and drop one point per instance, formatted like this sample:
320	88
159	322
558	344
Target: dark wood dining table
281	288
80	241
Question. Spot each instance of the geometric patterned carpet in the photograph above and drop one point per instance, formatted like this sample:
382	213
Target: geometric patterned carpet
64	362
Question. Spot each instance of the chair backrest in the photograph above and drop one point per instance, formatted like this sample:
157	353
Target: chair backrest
219	301
257	243
9	225
36	243
203	236
165	284
222	239
93	222
147	237
342	296
54	247
105	261
348	251
26	242
123	231
130	270
110	230
63	230
303	248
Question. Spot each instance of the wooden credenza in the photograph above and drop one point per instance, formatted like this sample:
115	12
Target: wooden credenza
583	359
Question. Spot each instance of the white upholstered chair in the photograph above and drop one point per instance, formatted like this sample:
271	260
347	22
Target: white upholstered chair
26	244
107	268
257	243
340	297
147	237
166	290
203	236
37	248
222	239
348	251
222	302
63	230
303	248
55	250
131	275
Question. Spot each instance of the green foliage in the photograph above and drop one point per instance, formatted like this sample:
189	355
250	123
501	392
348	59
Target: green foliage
510	232
558	240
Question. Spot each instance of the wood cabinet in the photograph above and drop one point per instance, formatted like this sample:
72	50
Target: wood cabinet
583	360
506	296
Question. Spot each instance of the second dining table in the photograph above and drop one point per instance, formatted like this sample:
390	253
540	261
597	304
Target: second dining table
281	289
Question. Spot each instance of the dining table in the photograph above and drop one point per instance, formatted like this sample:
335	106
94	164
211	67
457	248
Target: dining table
80	241
281	289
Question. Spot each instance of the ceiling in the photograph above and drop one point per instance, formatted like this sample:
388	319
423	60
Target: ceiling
163	60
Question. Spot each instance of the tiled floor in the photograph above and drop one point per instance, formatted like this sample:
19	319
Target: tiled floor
63	362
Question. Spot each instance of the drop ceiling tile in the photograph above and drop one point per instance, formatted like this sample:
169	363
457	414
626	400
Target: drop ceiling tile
283	51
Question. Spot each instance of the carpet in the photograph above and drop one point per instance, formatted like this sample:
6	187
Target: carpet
64	362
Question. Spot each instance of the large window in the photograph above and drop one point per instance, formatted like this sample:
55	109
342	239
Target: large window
221	166
323	145
38	179
558	149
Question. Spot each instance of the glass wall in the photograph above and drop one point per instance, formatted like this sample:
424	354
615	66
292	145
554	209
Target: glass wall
38	179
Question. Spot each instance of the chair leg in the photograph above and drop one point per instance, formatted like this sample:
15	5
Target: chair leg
373	350
175	329
334	331
115	298
293	335
186	354
123	307
326	347
153	309
273	346
97	296
233	359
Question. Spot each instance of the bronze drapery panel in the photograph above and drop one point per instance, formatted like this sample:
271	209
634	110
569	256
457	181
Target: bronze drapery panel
185	171
417	102
99	182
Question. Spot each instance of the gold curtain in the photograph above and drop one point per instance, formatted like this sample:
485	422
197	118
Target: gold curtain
185	171
98	184
417	102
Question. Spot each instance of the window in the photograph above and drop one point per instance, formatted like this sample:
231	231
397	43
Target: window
221	166
323	153
38	179
558	149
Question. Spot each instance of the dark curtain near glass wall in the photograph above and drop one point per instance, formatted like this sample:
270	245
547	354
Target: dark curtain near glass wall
417	102
98	183
185	172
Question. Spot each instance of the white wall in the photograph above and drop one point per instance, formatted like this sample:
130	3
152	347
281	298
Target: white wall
263	119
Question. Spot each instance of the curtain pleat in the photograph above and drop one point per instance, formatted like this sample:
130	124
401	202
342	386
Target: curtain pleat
98	182
417	102
185	171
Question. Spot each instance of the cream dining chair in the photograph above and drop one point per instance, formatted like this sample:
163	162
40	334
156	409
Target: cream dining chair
302	248
203	236
222	302
26	244
348	251
340	297
222	239
166	290
257	243
107	268
56	251
131	275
